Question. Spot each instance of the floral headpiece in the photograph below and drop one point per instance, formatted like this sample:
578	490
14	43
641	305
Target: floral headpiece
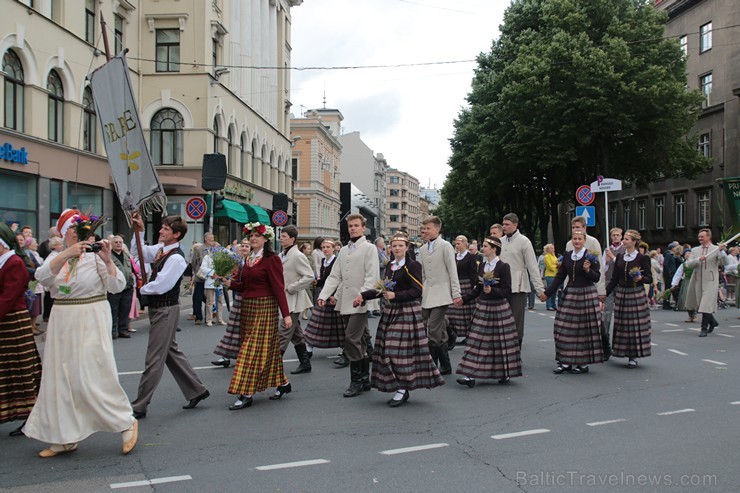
262	229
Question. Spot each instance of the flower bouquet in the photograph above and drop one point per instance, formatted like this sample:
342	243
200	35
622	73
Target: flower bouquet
85	225
592	256
224	263
385	285
488	279
634	273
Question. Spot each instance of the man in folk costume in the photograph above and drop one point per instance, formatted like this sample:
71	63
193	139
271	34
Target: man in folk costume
355	271
703	288
298	276
441	289
163	292
517	251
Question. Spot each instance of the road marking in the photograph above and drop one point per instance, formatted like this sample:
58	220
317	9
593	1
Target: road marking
414	449
542	314
677	352
695	329
599	423
653	344
546	340
520	434
672	330
209	367
552	316
123	373
724	335
715	362
149	482
654	321
667	413
736	403
734	326
288	465
672	325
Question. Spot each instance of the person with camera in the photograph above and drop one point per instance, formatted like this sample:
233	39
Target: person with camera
80	393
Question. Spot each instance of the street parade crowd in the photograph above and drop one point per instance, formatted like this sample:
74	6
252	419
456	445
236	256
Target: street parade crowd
429	297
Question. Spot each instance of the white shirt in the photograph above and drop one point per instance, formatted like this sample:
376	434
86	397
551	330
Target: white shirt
577	255
397	265
172	271
461	255
490	265
329	260
431	245
629	257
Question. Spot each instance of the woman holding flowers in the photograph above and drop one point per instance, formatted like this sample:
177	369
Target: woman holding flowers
632	271
577	321
325	328
467	273
259	363
228	348
208	272
401	360
80	393
493	344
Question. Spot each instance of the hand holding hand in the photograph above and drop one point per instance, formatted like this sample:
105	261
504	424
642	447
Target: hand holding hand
389	295
287	322
457	301
542	297
332	300
357	301
321	303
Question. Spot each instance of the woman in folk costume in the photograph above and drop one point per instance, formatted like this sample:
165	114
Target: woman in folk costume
228	348
259	364
467	273
20	365
577	321
80	393
401	359
632	271
325	329
492	350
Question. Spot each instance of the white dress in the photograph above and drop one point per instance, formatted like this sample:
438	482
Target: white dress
80	393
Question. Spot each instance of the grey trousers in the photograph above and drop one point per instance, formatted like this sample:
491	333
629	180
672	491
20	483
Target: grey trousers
162	350
436	324
518	304
355	326
293	334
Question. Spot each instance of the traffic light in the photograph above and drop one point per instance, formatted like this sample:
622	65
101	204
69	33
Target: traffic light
218	202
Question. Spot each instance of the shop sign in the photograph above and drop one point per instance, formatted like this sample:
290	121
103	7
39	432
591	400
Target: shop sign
8	153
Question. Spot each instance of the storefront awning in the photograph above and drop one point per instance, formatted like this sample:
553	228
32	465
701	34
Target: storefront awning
233	210
257	214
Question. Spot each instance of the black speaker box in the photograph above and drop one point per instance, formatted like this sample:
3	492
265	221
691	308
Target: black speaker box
280	202
214	171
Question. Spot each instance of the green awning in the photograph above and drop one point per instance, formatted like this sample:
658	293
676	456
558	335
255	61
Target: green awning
232	210
257	214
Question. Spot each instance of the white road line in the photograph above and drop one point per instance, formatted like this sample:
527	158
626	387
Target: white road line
288	465
695	329
715	362
724	335
677	352
209	367
520	434
123	373
552	316
653	344
668	413
413	449
149	482
654	321
546	340
672	325
672	330
736	403
599	423
542	314
734	326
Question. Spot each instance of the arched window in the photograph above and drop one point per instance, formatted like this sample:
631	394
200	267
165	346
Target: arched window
55	106
216	146
230	152
167	137
90	123
13	91
244	161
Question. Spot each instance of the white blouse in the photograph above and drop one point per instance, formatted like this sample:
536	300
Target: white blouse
83	281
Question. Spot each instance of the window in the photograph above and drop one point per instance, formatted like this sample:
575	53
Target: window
214	54
394	219
626	212
394	205
683	43
230	154
168	50
703	208
90	121
394	179
216	146
705	37
167	137
393	192
118	34
612	214
705	85
14	88
90	21
704	146
55	106
641	214
679	210
294	168
659	210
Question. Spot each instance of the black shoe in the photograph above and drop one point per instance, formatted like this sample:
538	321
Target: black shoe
504	380
466	381
194	402
445	367
124	335
342	361
115	336
139	414
281	390
18	432
241	403
178	329
396	403
703	332
225	362
370	315
712	325
310	354
305	362
579	369
562	369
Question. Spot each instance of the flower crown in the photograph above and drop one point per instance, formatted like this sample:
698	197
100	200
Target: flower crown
262	229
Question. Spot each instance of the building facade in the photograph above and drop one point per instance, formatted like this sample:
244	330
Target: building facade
403	203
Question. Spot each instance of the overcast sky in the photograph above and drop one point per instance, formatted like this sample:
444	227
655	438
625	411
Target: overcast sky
405	113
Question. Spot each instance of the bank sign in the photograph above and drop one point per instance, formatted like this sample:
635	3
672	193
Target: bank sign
8	153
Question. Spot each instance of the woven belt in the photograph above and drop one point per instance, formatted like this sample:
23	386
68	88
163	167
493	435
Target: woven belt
80	301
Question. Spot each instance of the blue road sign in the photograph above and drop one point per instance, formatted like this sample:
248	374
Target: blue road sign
588	212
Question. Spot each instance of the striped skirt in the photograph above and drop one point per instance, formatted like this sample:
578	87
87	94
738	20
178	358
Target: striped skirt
631	337
259	364
325	328
401	359
492	346
20	367
231	342
577	327
460	317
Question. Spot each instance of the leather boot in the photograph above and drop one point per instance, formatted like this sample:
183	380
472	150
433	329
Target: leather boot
304	360
365	379
369	344
445	368
451	338
342	361
606	346
434	353
355	385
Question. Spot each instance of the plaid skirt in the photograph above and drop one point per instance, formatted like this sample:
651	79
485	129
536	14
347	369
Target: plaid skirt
20	367
492	346
631	337
577	327
259	364
460	317
325	328
401	359
231	342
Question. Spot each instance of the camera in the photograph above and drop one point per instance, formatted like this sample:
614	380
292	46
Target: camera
94	248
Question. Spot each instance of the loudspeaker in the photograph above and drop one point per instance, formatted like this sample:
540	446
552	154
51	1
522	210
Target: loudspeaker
214	171
280	202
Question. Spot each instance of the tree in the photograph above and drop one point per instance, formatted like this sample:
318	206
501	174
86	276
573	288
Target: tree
572	89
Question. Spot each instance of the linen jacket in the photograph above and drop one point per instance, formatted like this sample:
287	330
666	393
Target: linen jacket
517	251
592	245
704	283
439	268
354	271
298	277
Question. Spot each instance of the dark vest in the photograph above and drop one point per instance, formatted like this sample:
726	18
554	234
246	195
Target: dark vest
172	297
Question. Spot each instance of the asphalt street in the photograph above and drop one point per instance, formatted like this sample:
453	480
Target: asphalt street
671	424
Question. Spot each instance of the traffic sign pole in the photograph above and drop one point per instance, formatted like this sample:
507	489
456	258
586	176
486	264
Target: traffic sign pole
210	218
606	218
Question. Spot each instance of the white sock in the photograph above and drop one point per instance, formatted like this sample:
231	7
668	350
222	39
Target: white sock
309	348
399	395
467	379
